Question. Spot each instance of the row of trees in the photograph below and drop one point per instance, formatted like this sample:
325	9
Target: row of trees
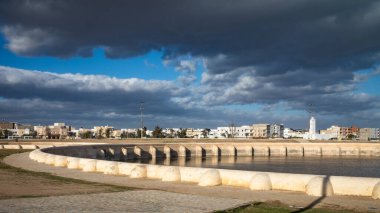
158	133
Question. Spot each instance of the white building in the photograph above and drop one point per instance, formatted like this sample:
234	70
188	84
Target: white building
59	124
171	132
292	133
312	129
312	135
242	132
222	132
332	131
213	133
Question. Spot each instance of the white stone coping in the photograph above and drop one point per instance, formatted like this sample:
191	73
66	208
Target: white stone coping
315	185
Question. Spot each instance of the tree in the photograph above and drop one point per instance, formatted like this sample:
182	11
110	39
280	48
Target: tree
182	133
131	135
99	134
7	133
232	130
157	132
351	137
172	133
85	135
1	133
108	132
223	135
71	134
143	132
246	135
205	132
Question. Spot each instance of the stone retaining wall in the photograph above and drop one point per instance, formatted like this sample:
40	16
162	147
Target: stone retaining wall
91	159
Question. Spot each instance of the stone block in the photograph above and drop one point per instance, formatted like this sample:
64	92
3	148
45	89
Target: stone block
244	151
330	151
125	168
60	161
319	186
101	165
41	157
137	152
260	182
167	151
172	174
182	151
153	152
27	146
376	191
199	151
349	151
88	165
72	163
229	150
138	171
312	151
111	168
277	151
294	151
50	159
210	178
260	151
12	146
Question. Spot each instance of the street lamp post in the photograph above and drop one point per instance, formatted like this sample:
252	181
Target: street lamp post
141	118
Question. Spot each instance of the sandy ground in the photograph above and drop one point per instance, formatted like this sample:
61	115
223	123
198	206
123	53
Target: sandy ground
13	184
18	183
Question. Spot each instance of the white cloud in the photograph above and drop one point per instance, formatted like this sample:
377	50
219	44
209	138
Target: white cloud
24	41
81	82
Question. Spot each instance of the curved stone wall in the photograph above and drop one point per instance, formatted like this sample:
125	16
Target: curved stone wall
91	159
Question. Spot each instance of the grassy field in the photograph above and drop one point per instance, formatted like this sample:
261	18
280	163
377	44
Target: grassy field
19	183
277	207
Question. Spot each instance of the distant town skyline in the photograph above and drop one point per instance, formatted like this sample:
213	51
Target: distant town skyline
91	63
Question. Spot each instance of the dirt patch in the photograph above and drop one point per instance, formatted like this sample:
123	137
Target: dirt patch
16	183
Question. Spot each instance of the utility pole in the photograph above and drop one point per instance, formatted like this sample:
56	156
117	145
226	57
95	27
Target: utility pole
141	117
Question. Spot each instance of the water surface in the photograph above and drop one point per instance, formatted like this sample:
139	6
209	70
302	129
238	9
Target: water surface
337	166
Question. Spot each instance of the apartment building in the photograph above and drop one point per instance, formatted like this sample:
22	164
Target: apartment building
103	131
260	130
242	132
276	131
333	131
369	133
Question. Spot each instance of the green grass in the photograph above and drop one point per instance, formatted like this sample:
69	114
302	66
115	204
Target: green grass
277	207
50	177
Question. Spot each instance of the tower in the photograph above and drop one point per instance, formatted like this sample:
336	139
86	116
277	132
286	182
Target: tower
312	129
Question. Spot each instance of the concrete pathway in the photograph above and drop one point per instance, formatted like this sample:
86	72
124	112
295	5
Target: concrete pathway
233	195
129	201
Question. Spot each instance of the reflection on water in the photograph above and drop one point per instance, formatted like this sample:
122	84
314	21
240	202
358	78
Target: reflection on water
339	166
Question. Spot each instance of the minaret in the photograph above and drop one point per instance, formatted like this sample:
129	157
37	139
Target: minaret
312	125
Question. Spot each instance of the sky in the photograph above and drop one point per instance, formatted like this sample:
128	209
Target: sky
193	63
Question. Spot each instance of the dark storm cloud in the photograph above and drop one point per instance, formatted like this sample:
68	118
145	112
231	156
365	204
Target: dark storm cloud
254	51
274	36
